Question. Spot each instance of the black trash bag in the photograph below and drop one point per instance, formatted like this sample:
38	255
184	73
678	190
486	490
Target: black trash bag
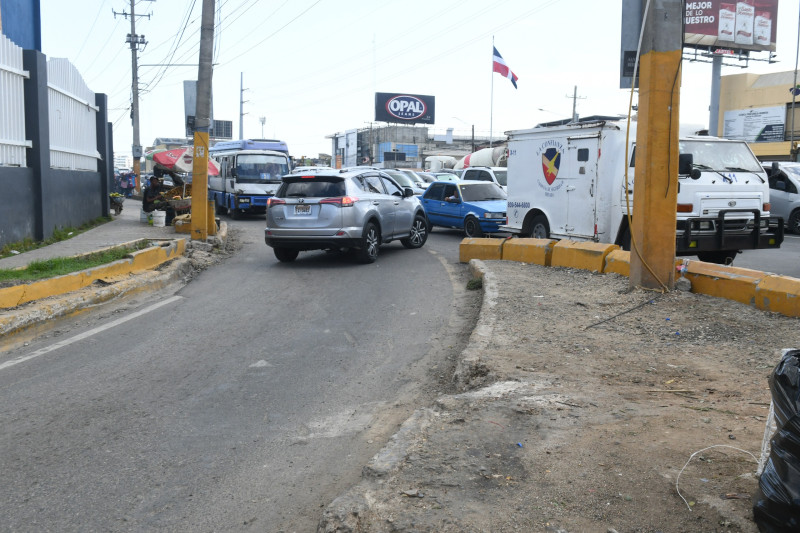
776	505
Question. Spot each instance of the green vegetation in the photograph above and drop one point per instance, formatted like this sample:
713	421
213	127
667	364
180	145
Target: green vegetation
474	284
59	266
59	234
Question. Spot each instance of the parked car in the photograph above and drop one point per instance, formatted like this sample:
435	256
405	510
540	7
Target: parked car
350	209
404	181
427	176
784	192
415	177
446	176
477	207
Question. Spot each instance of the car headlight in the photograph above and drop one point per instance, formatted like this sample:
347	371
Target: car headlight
494	215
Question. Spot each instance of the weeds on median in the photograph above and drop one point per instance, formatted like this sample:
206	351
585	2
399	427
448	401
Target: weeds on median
58	266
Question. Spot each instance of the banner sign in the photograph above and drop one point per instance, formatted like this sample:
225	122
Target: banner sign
762	124
401	108
731	24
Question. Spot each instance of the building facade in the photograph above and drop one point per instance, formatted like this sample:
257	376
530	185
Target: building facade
763	110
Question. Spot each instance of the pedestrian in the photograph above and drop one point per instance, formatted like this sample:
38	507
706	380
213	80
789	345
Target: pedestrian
131	183
122	182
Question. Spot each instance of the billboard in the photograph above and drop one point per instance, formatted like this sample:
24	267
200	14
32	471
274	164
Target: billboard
731	24
402	108
763	124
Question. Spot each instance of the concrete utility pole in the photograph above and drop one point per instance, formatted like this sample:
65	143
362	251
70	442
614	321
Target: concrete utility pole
200	204
241	107
575	99
656	191
134	41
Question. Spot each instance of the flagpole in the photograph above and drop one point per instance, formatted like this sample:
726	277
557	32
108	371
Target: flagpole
491	104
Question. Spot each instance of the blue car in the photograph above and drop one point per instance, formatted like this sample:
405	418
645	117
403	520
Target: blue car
477	207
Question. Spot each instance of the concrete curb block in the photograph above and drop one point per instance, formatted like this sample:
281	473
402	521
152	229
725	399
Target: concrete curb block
763	290
138	261
74	303
470	364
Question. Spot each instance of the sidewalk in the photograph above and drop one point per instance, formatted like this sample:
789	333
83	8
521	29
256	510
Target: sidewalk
123	228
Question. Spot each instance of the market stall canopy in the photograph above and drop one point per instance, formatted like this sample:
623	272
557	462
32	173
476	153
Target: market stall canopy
179	160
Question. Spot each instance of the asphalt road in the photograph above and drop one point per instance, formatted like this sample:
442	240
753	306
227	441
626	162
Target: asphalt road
252	397
784	260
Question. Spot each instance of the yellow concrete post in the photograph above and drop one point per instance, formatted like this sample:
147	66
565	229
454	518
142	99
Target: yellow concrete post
656	184
200	186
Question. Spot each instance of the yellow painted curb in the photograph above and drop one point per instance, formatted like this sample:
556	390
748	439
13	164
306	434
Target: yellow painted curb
618	262
138	261
733	283
780	294
536	251
583	255
485	249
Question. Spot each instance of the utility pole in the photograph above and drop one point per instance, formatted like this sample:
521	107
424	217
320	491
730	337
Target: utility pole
135	41
200	204
262	120
575	99
655	196
241	108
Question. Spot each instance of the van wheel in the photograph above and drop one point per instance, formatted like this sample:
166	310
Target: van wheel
721	257
794	222
368	252
234	213
540	229
220	209
626	240
472	228
285	255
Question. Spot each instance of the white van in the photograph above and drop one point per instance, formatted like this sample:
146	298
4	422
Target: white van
784	193
568	181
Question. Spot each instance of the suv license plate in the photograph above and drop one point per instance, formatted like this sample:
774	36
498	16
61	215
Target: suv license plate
302	209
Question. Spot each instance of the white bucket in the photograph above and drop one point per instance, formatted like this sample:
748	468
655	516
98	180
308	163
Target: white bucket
143	216
159	219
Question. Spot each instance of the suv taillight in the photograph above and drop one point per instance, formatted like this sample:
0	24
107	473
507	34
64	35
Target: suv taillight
272	201
341	201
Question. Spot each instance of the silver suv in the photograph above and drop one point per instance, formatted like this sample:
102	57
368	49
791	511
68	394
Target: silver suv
330	209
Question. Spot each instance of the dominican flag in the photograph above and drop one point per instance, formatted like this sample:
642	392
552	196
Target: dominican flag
499	66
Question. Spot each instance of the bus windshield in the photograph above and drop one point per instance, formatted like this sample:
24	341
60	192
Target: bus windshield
261	168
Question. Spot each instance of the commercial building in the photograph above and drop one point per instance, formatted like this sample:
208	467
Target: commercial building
763	110
400	146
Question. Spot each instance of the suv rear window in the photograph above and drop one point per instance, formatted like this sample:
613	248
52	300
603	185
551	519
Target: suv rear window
316	187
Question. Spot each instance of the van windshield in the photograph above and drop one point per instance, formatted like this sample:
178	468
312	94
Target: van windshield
721	156
260	168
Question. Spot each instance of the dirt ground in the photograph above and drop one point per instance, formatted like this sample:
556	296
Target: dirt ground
583	406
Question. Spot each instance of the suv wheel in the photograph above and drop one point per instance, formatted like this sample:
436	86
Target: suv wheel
285	255
419	233
368	252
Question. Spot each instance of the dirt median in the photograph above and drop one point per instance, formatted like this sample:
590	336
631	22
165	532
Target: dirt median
583	403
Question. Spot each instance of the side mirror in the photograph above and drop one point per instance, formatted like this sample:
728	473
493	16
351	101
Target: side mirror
685	164
780	185
232	183
233	172
776	168
408	192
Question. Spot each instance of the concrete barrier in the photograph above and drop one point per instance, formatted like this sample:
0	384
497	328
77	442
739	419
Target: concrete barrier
733	283
779	294
583	255
138	261
536	251
485	249
618	262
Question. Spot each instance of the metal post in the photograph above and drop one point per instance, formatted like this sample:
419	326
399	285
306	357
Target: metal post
713	109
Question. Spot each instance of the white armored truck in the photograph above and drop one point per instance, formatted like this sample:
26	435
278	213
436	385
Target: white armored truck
567	181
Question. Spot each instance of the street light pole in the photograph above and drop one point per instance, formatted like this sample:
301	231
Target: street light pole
262	120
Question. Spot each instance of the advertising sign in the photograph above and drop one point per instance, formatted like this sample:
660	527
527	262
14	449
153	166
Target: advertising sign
763	124
731	24
401	108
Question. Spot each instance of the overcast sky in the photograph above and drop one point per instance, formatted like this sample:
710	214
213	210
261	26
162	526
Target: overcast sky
312	67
